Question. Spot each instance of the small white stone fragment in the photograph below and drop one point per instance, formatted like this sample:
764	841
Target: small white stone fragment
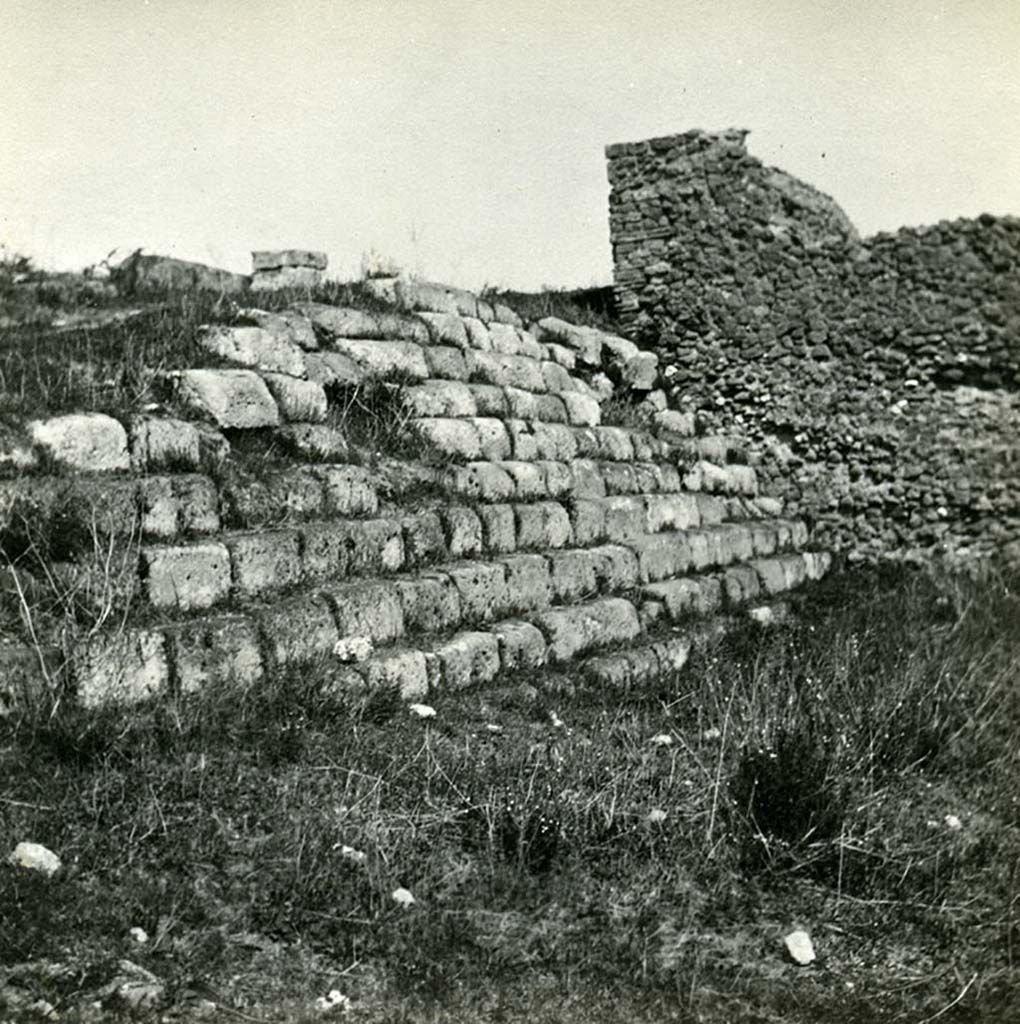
711	734
422	710
953	822
555	721
349	853
139	935
353	648
656	815
663	739
403	897
35	857
492	727
799	946
334	1002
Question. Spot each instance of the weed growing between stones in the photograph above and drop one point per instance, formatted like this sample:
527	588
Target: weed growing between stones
257	834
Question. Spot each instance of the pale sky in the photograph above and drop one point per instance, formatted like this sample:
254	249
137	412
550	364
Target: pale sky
465	140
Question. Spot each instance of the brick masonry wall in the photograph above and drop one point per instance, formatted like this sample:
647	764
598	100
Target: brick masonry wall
877	380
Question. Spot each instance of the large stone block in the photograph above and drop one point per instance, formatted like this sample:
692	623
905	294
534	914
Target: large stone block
671	512
626	519
506	371
572	574
406	671
490	400
286	325
588	481
439	398
231	398
468	659
386	359
254	347
375	546
521	645
584	342
348	490
554	441
493	439
123	668
325	550
573	631
264	560
463	531
454	439
430	603
90	442
446	329
159	442
582	410
297	630
446	362
522	441
499	529
333	369
370	608
482	589
185	578
544	524
588	521
616	567
662	555
528	479
424	539
300	401
479	481
273	259
313	442
528	584
344	322
215	651
522	405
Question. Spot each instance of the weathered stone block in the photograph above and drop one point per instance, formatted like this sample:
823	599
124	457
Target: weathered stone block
385	358
528	479
344	322
348	490
446	329
301	401
572	574
550	409
528	584
463	531
482	589
557	378
124	668
662	555
375	546
584	342
333	368
490	400
297	630
504	339
162	442
370	608
573	631
588	521
559	479
215	651
314	442
286	325
522	405
90	442
626	519
231	398
424	539
454	439
477	334
711	509
499	530
614	443
324	550
493	439
266	560
430	603
619	478
468	659
479	481
582	410
739	584
554	441
616	567
446	362
771	575
523	446
405	670
671	512
254	347
195	576
521	645
674	425
544	524
440	398
506	371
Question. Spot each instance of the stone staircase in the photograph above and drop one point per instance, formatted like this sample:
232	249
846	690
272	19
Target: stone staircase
524	532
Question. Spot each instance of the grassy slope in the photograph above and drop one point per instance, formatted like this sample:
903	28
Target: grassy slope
807	782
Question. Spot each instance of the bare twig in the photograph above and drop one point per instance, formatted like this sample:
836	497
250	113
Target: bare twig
949	1006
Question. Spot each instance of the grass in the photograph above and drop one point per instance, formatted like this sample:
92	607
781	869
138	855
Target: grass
807	780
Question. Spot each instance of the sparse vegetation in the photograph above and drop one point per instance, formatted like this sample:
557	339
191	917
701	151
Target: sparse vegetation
848	772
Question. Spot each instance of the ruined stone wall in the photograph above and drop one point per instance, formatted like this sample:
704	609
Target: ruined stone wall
877	379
